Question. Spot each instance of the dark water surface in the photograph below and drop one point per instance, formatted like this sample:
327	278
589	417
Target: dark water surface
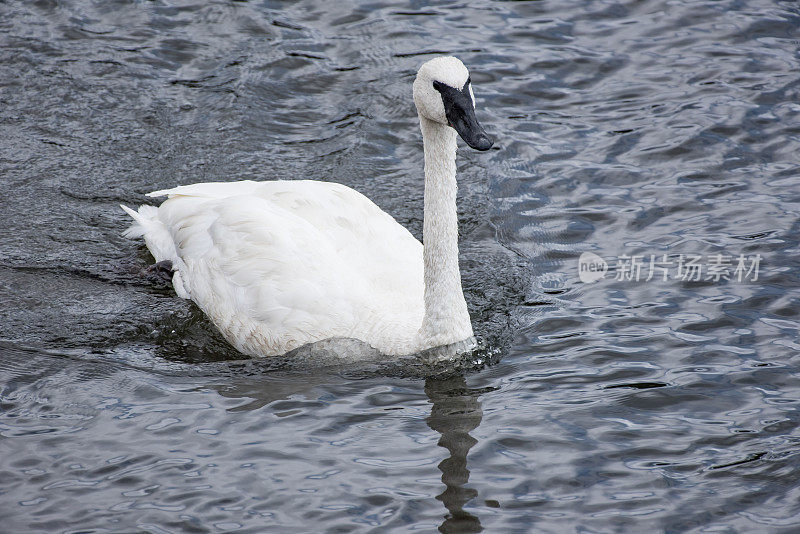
630	128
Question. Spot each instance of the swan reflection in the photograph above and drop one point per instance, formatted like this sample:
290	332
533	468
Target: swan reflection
455	411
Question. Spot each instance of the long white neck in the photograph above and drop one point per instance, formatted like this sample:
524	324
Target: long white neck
446	317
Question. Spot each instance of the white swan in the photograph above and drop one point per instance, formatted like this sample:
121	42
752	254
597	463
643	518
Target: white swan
277	265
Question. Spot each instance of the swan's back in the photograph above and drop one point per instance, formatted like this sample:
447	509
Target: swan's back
276	265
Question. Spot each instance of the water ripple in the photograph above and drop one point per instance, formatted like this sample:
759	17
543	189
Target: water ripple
622	129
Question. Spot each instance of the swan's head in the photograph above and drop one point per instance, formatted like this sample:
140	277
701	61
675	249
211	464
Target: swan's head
443	94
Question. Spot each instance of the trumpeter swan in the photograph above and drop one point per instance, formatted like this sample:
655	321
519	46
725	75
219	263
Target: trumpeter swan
277	265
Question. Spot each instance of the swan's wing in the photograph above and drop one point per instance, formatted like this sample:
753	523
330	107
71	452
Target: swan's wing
291	262
387	258
385	254
255	272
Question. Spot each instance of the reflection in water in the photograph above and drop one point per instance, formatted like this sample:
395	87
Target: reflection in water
454	413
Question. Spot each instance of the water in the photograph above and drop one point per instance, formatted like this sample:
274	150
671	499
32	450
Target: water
640	128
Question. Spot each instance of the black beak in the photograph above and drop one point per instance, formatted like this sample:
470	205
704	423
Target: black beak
461	115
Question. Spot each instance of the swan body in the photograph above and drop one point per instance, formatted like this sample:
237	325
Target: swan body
278	265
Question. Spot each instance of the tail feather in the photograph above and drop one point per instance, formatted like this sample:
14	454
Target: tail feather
159	242
156	236
144	218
